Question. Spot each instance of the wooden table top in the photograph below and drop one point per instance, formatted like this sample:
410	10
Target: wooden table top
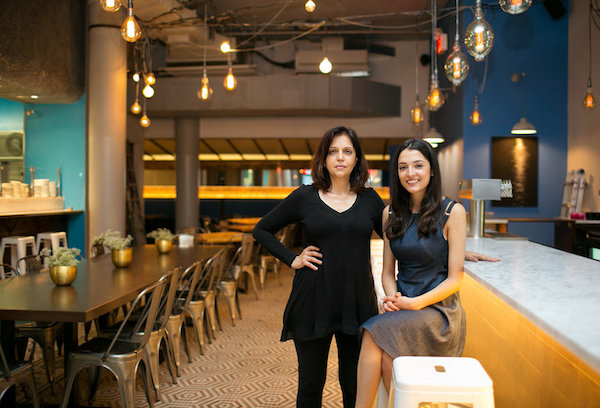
98	288
240	227
221	237
245	220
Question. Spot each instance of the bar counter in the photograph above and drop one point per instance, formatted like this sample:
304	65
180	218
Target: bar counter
533	321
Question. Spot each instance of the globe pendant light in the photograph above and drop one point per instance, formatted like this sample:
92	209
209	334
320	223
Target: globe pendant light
110	5
435	98
515	6
325	66
229	82
479	37
475	118
589	102
456	66
130	30
144	120
310	6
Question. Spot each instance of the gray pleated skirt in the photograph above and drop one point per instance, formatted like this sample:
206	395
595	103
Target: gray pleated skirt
437	330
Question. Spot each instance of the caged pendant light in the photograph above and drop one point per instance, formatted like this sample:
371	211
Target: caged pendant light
435	99
479	37
456	66
515	6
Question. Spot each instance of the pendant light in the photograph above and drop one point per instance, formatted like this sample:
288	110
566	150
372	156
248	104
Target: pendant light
522	127
515	6
136	108
229	82
110	5
435	99
416	113
479	37
475	118
433	137
325	66
136	77
148	91
130	30
205	91
589	102
456	66
144	120
150	79
310	6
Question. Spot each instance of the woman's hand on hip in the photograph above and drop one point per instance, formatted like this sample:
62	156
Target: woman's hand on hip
309	257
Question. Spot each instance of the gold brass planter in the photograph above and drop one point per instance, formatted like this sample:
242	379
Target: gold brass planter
63	275
121	257
163	246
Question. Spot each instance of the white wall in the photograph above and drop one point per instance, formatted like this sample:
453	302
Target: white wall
583	126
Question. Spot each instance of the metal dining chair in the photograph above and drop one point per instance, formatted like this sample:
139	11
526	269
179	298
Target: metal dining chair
120	356
267	260
157	335
19	372
43	333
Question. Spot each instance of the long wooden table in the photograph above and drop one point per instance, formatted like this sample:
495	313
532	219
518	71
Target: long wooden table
98	289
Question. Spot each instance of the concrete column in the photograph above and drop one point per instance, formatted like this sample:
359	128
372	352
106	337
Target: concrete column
106	121
186	151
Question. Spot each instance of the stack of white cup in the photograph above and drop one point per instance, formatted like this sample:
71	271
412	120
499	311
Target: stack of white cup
41	188
14	189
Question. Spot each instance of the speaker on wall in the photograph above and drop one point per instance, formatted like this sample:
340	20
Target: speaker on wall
555	8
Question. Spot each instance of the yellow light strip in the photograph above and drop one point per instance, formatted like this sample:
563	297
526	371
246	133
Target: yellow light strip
159	157
235	192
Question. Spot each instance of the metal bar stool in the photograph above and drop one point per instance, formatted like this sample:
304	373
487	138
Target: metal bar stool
56	240
17	245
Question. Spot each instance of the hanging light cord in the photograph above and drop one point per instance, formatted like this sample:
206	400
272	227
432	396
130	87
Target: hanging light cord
457	35
590	45
417	58
205	38
433	48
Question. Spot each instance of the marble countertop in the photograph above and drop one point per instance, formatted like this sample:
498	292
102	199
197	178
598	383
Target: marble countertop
556	290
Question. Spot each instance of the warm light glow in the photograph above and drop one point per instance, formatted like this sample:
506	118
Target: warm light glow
205	91
435	99
416	114
225	47
145	121
34	96
515	6
479	37
475	118
110	5
148	91
130	30
136	77
310	6
230	82
456	66
589	102
136	107
325	66
150	79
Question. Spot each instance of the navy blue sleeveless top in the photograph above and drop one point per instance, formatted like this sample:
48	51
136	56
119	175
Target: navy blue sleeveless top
422	261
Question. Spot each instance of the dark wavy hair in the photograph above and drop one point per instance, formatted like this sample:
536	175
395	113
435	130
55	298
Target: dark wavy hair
320	175
431	207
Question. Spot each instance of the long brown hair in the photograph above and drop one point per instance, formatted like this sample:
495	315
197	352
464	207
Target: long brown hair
319	172
431	207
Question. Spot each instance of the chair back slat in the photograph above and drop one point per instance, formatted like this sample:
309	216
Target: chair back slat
191	288
7	271
154	292
166	304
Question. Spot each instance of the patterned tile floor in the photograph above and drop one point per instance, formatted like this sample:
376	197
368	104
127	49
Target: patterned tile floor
246	366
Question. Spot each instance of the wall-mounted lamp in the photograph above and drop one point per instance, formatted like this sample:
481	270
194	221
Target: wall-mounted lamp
522	127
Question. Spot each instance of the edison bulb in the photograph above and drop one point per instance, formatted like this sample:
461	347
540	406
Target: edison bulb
479	37
456	66
230	82
515	6
225	47
136	77
325	66
148	91
110	5
130	30
416	114
310	6
150	79
205	91
589	102
475	118
435	99
136	108
145	121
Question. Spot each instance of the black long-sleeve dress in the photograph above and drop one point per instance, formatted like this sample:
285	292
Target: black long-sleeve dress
339	296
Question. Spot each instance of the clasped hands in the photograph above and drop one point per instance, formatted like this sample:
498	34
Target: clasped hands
310	257
398	302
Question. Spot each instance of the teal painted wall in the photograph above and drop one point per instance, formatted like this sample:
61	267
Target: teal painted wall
11	115
55	138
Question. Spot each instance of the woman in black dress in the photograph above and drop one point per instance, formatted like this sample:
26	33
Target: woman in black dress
333	291
425	235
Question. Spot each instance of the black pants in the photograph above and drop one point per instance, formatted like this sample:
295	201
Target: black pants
312	369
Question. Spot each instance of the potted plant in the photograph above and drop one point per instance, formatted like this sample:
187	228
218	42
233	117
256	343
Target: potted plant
63	264
120	247
163	239
98	243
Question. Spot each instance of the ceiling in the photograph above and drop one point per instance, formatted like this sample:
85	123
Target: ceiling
259	153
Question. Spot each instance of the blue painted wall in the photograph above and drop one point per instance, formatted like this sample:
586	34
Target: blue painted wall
55	138
536	44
